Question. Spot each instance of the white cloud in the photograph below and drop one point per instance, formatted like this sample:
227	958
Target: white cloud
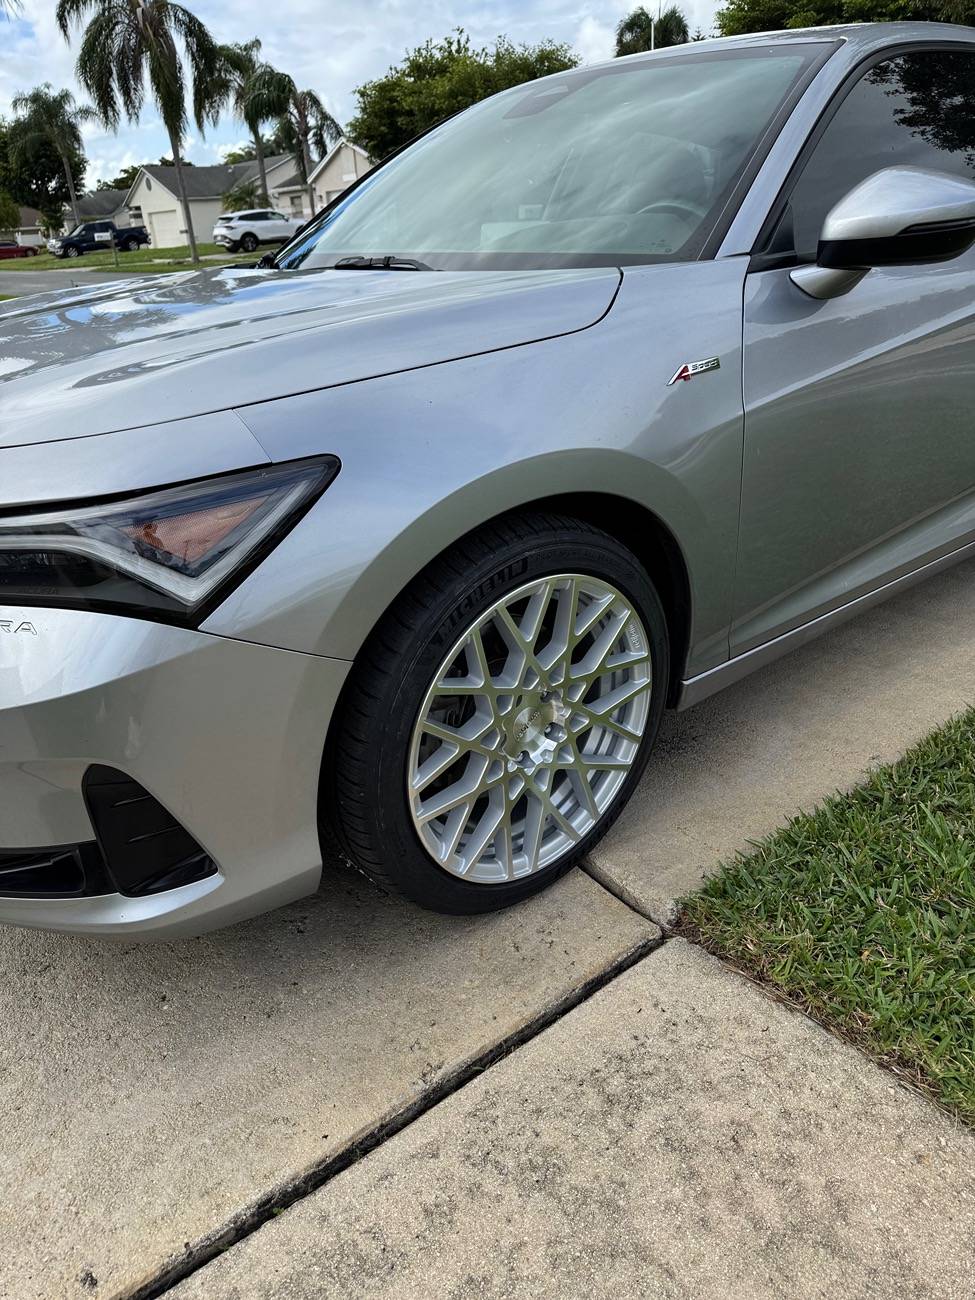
331	50
594	40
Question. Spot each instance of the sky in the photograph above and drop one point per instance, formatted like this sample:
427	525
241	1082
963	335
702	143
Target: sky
330	48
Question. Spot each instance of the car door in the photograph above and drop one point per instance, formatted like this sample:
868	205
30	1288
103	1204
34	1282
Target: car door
279	227
100	234
859	455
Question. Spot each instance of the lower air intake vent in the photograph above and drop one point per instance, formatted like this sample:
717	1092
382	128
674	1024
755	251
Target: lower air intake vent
69	871
145	849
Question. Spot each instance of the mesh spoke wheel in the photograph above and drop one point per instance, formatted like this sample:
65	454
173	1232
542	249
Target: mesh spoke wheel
529	728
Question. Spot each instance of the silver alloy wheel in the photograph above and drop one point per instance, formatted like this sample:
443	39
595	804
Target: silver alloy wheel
529	728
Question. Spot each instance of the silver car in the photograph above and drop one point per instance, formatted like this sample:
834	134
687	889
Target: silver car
596	398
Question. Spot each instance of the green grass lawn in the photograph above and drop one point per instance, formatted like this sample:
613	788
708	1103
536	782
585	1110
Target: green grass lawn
143	259
863	913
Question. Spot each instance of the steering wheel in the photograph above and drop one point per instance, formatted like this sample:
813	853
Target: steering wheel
677	208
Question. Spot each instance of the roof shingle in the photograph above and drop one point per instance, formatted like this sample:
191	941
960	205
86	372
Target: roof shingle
209	182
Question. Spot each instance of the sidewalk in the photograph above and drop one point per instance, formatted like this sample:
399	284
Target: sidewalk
677	1135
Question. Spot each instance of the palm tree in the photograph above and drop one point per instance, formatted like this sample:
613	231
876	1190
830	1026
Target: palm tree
52	117
10	7
128	41
639	32
240	68
304	124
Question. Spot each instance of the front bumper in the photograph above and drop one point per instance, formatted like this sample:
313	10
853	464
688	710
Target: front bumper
227	735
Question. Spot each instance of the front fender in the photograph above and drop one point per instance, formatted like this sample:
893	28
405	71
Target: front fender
430	454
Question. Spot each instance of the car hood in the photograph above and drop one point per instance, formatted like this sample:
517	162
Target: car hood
131	353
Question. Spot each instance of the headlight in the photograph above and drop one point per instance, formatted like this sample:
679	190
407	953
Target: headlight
171	554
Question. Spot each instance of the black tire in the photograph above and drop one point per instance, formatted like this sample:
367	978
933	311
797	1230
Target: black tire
129	246
72	252
249	242
364	805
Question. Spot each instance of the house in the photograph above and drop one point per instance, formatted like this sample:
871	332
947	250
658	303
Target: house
154	192
344	163
29	229
102	205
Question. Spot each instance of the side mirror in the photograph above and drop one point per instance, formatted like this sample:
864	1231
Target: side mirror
902	216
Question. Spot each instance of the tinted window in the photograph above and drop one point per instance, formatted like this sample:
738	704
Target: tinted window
917	109
633	162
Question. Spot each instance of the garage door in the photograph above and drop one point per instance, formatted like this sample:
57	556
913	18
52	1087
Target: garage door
164	227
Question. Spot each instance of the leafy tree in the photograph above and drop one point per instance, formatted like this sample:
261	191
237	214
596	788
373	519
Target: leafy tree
741	16
441	78
303	124
246	194
124	45
639	31
9	212
245	153
123	181
51	117
35	177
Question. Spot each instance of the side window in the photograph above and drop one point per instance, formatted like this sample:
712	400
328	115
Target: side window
917	109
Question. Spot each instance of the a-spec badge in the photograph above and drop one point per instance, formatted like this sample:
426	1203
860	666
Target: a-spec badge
691	369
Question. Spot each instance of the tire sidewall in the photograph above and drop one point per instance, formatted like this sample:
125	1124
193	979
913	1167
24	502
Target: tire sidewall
249	243
446	618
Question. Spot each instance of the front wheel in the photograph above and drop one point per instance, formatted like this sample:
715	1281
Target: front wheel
500	716
73	252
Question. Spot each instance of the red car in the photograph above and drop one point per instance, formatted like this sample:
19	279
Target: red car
17	250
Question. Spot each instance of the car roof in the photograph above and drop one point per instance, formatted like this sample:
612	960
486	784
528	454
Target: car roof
245	212
858	39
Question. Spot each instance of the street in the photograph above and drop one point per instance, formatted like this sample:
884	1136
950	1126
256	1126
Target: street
16	284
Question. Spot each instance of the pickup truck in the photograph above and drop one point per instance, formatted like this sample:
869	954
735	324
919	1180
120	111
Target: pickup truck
96	237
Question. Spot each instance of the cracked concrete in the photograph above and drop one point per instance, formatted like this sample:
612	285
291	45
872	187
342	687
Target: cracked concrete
150	1094
678	1135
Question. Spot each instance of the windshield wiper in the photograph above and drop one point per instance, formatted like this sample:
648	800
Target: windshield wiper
380	264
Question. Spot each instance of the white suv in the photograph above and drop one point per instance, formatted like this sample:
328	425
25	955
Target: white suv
246	230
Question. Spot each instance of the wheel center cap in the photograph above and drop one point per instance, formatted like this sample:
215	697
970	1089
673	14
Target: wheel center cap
528	723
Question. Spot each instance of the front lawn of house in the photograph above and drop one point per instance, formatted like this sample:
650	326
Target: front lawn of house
863	913
143	260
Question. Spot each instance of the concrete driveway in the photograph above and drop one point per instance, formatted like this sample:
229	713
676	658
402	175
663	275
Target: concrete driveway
160	1104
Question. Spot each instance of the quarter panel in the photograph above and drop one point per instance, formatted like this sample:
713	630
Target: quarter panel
428	456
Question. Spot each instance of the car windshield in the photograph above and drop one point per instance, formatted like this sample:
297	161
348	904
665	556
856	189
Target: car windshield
628	162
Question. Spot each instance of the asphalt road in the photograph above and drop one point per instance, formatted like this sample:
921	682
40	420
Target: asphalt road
18	283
